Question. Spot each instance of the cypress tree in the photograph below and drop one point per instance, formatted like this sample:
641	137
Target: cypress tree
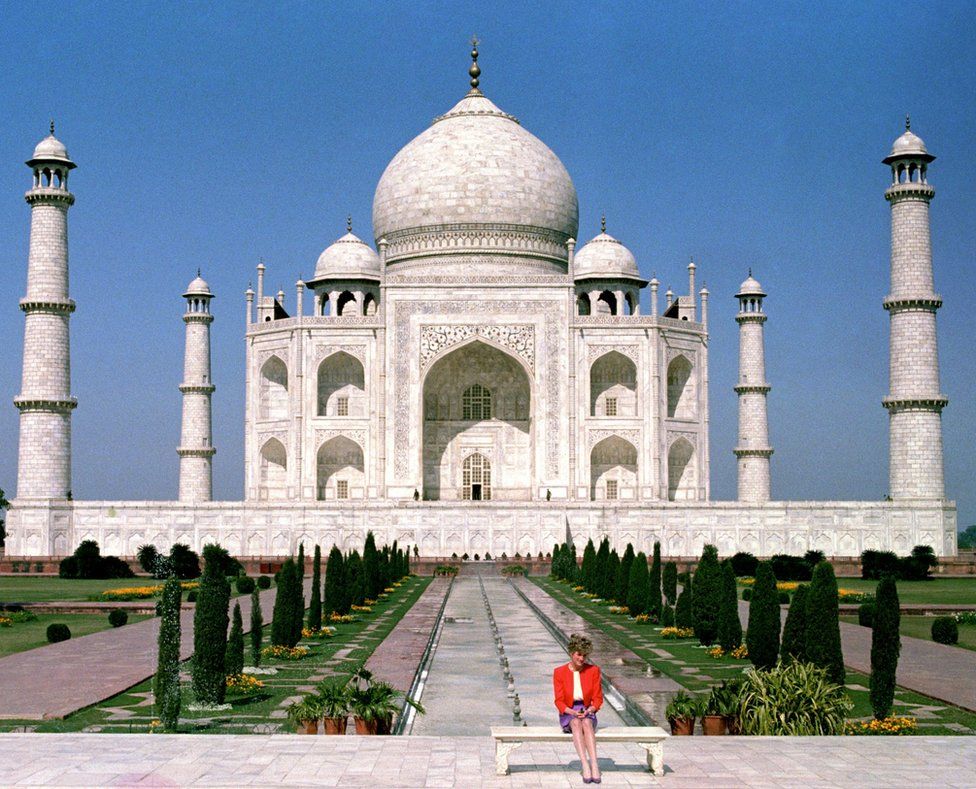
574	570
298	599
282	628
823	646
708	596
257	627
762	638
600	569
613	569
654	583
623	574
371	568
637	586
210	630
315	606
586	569
885	647
406	561
334	583
554	564
166	685
234	656
669	582
354	592
729	625
794	646
683	615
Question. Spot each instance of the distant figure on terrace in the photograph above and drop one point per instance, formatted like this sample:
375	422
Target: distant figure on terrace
578	694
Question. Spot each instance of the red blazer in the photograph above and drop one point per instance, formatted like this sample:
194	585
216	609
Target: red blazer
562	686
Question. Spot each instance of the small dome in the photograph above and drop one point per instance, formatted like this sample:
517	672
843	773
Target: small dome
51	149
198	287
909	145
606	258
751	287
348	258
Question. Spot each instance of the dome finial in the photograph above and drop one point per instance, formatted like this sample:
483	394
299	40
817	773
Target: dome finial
198	271
52	127
474	71
349	223
603	222
908	122
750	271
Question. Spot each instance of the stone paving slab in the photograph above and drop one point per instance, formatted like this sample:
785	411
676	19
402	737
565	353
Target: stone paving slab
291	760
398	657
57	679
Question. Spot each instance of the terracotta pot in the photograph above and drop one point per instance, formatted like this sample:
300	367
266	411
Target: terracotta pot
336	725
308	727
713	725
365	726
682	726
734	724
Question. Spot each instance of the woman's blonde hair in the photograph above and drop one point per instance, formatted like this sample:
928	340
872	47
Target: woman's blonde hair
579	643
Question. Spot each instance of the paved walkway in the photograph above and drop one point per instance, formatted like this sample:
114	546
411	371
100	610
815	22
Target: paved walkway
467	691
942	672
289	760
57	679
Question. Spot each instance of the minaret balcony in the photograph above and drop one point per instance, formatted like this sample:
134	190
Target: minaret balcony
913	304
896	404
50	405
53	306
909	191
48	194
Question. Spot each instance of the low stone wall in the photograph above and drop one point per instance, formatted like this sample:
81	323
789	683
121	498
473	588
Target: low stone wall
443	528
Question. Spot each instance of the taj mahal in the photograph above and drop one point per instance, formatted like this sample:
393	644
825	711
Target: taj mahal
475	379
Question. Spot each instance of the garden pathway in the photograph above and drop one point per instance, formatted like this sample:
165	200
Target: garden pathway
57	679
290	760
466	691
942	672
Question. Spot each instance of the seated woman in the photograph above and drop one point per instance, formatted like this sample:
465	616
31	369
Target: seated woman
578	695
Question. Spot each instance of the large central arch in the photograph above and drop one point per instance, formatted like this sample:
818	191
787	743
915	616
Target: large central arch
477	398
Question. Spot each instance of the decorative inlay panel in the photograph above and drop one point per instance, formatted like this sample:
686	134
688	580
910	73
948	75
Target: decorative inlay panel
322	352
594	437
519	339
689	435
358	436
594	352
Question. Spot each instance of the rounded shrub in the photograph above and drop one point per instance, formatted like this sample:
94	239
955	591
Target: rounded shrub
783	596
191	596
744	564
118	617
865	614
945	630
747	594
264	582
58	631
244	584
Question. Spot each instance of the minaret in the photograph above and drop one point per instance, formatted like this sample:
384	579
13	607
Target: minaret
914	400
45	402
753	450
196	438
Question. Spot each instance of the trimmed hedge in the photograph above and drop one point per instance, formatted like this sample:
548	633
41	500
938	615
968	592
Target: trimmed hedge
244	584
865	614
264	582
744	564
58	631
945	630
118	617
762	636
885	647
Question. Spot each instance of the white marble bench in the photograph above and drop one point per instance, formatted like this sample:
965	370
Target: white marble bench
508	738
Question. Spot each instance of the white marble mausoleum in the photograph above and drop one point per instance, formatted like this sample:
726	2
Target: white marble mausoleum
475	379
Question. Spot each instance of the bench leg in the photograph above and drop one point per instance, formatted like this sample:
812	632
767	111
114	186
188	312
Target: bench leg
502	750
655	757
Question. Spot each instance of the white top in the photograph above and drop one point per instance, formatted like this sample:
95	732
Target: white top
577	685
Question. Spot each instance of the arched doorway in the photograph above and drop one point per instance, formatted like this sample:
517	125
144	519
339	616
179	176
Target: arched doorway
682	478
477	399
613	470
476	478
613	386
273	483
339	470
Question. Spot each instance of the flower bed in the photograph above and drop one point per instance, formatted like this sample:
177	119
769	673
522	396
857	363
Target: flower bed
322	632
343	619
741	652
888	726
286	653
619	609
141	592
363	609
677	632
243	685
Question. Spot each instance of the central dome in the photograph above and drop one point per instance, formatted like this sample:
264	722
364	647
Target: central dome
475	182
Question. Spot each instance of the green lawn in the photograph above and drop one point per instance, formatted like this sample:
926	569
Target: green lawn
22	636
686	653
921	627
131	711
48	588
950	591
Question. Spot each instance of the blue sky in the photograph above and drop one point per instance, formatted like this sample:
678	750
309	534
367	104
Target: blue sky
745	134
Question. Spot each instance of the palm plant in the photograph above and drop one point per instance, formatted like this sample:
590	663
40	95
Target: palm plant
793	699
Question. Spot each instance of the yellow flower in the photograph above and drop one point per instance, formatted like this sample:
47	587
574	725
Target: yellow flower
677	632
716	652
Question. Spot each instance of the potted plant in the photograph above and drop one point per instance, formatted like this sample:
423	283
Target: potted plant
334	698
681	713
730	704
305	714
714	721
374	703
